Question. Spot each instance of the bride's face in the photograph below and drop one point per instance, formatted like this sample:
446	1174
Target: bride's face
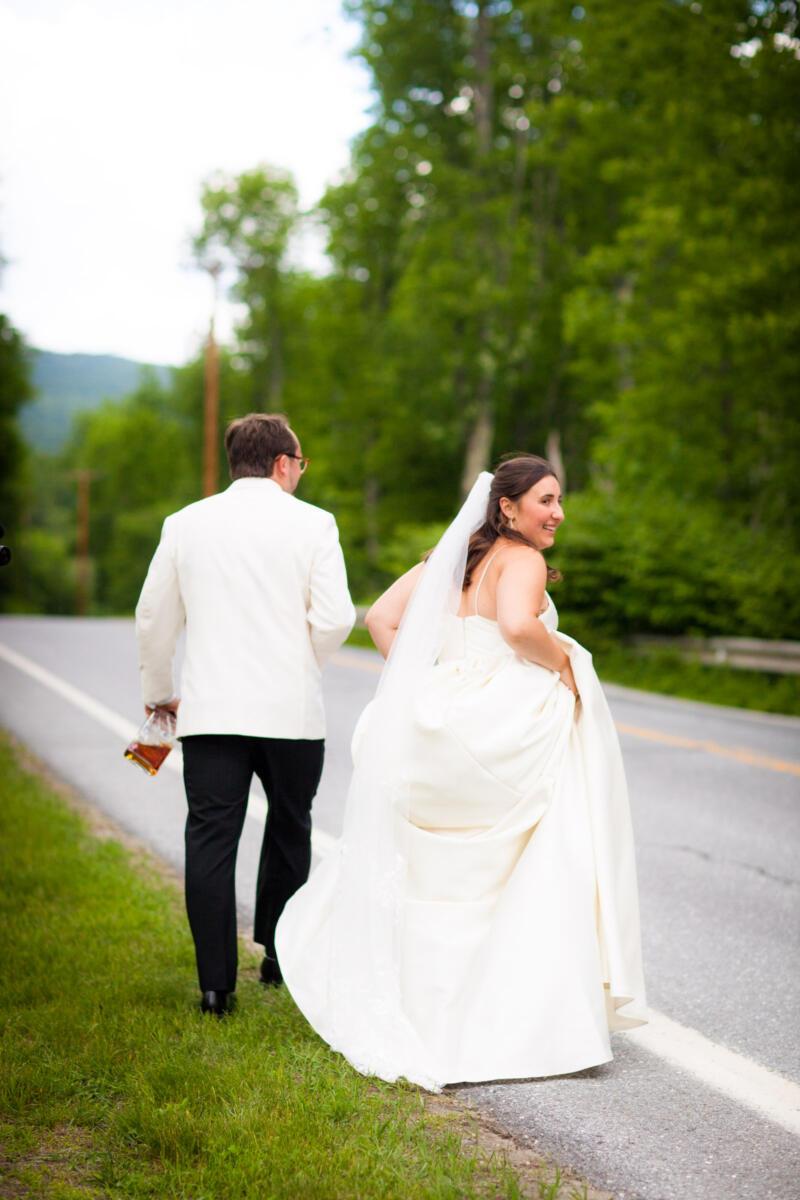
537	513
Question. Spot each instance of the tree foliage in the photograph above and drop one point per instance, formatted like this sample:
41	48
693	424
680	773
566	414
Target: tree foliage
15	390
567	229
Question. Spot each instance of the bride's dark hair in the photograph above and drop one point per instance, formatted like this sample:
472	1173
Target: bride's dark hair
513	477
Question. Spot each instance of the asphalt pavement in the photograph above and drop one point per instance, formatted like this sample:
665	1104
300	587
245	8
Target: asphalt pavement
703	1103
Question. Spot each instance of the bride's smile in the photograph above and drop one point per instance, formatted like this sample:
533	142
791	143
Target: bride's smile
538	513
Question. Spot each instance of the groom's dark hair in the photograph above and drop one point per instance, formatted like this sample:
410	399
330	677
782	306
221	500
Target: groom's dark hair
252	444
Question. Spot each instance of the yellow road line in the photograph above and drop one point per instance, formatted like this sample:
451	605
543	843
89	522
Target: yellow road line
343	659
738	753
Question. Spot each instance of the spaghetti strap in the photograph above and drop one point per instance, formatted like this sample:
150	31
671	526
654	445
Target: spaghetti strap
480	581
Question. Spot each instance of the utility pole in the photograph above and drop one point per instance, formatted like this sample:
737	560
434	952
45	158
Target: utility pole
211	405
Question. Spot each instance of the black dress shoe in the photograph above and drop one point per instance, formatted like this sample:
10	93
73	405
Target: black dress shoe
270	972
217	1003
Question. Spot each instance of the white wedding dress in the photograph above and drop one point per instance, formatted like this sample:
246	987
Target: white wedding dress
518	944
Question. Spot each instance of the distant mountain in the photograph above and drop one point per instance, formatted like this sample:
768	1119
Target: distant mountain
69	383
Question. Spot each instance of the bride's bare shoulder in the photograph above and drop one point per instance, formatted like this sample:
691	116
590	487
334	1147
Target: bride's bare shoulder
518	556
521	570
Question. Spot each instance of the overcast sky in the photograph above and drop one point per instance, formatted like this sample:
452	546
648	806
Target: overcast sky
114	112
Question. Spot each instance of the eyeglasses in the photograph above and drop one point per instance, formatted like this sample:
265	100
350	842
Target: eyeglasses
303	461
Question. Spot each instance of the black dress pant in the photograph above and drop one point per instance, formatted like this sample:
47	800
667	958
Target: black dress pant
217	772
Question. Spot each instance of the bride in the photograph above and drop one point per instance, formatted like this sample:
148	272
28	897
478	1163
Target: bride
479	917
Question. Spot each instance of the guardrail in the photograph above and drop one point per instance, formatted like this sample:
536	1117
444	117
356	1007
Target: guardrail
746	654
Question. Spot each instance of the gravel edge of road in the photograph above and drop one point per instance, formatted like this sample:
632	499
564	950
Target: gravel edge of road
479	1131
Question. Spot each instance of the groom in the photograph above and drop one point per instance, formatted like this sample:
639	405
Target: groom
257	579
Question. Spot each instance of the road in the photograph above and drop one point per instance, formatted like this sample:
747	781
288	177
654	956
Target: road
704	1101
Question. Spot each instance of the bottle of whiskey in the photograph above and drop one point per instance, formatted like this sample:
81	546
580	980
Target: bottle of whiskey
153	741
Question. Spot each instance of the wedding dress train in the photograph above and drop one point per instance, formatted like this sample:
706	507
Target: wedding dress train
517	947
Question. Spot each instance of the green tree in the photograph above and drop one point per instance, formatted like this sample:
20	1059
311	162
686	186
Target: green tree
137	452
247	223
684	325
15	390
566	229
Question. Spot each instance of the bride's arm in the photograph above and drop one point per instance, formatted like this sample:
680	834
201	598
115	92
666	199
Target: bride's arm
383	618
520	592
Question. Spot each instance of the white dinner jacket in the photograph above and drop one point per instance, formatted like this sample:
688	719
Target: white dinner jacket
258	579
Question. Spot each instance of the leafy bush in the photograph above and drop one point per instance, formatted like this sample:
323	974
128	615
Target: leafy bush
41	577
658	566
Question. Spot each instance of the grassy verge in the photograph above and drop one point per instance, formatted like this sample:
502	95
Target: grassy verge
113	1085
666	672
360	637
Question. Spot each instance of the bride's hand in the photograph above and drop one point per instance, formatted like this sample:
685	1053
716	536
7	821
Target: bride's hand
568	679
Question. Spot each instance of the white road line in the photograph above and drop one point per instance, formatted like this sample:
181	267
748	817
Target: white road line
321	842
93	708
734	1075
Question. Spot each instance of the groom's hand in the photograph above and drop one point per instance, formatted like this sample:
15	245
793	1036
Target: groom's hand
170	705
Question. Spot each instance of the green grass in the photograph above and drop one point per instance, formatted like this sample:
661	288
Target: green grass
666	672
360	637
112	1084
